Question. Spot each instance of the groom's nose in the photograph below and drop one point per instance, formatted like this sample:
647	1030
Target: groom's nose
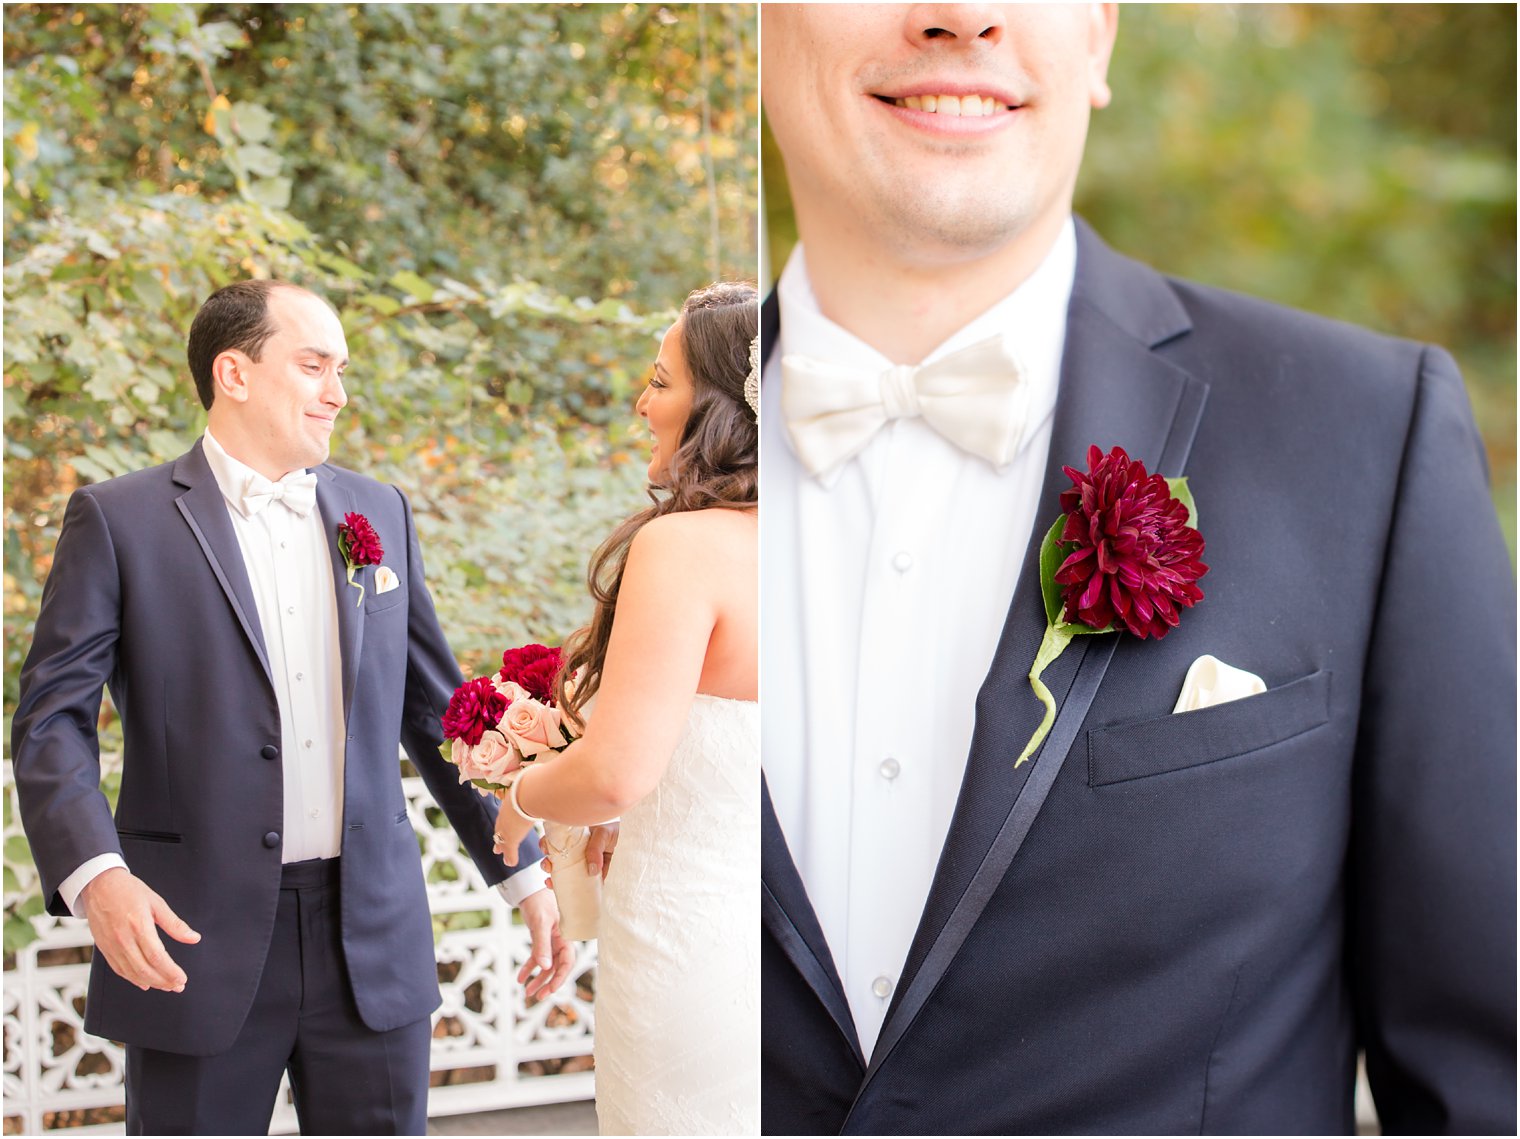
963	24
335	394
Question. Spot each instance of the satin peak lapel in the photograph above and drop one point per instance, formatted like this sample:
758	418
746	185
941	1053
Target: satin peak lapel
789	916
205	511
333	502
1115	390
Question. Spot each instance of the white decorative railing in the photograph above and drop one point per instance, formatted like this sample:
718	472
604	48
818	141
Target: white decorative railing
490	1049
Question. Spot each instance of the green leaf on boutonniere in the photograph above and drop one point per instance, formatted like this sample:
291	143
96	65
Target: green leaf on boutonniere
1051	556
1058	632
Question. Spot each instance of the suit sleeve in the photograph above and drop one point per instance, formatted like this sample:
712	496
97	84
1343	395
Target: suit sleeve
54	746
1433	841
431	677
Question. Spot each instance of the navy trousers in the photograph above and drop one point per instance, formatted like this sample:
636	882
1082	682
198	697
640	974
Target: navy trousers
346	1078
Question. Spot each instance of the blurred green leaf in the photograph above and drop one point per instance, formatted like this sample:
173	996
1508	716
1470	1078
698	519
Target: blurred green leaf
410	283
271	192
252	123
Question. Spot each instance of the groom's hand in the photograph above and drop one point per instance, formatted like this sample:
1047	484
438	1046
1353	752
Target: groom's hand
124	914
551	957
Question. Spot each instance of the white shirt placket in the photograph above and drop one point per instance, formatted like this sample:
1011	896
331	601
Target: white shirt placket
297	727
895	755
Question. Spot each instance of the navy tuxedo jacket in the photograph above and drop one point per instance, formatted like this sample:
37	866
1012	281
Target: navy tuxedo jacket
1192	923
148	592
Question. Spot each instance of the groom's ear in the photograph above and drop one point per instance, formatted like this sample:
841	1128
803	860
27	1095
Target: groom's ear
1102	27
229	375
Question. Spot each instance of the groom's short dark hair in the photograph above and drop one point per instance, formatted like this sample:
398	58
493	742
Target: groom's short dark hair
235	316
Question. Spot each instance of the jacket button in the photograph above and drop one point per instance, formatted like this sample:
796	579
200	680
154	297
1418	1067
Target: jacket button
272	839
269	751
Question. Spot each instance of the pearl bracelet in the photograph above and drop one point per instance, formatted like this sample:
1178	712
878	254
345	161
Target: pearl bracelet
512	798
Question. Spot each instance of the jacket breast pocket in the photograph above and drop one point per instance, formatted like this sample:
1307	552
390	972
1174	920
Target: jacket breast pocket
376	602
1184	740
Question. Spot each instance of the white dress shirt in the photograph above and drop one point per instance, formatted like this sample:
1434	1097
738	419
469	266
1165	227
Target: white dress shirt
885	589
290	571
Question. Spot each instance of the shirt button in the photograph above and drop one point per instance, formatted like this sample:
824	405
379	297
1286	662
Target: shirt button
282	545
315	812
889	768
882	986
300	676
308	743
902	561
290	609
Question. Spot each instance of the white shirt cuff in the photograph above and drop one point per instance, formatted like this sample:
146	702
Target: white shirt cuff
528	880
72	886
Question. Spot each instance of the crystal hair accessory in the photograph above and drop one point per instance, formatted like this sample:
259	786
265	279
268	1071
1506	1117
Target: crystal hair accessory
752	381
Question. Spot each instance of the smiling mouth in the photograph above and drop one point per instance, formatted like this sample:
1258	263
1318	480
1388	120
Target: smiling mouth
959	106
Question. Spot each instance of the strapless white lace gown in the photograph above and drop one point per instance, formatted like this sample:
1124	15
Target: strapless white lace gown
678	963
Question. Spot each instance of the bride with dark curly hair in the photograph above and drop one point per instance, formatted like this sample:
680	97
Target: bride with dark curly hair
671	655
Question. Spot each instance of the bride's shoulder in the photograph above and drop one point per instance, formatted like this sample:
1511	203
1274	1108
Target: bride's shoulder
699	529
704	534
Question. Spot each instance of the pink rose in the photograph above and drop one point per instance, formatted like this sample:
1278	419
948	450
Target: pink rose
490	761
461	758
511	690
533	727
495	757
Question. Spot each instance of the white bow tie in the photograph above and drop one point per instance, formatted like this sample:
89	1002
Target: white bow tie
975	397
297	491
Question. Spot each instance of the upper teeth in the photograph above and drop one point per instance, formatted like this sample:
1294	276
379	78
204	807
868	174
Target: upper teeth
968	105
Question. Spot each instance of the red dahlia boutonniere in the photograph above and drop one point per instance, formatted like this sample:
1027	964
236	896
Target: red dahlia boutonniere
1122	556
360	546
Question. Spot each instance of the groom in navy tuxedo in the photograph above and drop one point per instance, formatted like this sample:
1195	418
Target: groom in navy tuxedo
263	689
1186	912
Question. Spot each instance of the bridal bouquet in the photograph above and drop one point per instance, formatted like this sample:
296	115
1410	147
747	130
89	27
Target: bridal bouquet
494	726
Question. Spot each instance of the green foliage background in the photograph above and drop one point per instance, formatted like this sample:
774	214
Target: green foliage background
505	202
1354	160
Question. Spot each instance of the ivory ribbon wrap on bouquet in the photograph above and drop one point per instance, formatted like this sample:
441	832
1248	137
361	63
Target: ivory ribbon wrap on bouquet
577	890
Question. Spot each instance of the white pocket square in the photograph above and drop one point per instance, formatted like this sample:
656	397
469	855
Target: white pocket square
1210	681
385	580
